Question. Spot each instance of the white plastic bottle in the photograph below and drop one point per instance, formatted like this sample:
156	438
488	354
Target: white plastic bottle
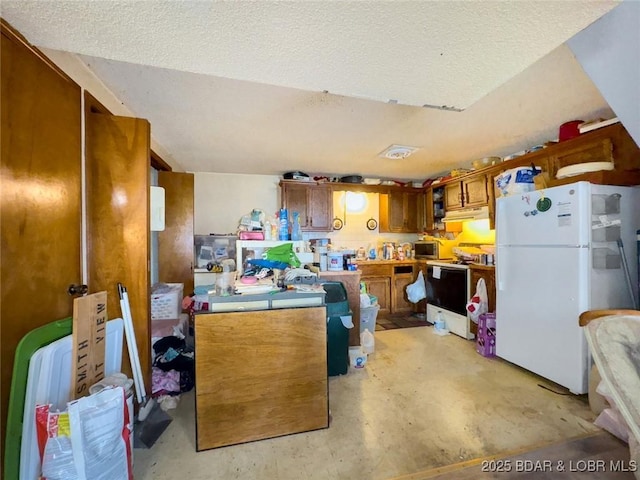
267	230
439	325
367	341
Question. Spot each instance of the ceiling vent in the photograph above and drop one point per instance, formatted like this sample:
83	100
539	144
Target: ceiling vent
397	152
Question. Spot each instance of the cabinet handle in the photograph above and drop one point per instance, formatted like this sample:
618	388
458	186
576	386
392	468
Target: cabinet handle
310	221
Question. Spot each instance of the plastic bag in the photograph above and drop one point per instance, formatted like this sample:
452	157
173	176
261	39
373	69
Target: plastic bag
479	303
516	180
283	253
417	290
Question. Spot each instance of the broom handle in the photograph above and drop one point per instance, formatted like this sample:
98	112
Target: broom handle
138	368
132	347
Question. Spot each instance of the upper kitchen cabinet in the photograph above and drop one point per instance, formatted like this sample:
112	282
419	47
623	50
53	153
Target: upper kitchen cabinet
402	212
470	192
313	202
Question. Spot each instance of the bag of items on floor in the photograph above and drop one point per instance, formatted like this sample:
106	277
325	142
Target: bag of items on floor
173	370
91	440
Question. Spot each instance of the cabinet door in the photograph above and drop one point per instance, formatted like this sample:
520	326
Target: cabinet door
453	196
413	211
40	200
294	199
381	288
175	243
319	208
489	279
400	302
475	191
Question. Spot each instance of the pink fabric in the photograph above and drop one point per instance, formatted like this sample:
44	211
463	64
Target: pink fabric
164	381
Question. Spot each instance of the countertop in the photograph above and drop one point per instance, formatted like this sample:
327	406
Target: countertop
410	261
328	273
479	266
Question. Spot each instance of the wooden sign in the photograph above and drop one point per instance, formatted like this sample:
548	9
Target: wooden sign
89	337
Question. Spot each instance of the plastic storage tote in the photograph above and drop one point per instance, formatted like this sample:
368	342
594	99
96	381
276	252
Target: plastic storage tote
337	333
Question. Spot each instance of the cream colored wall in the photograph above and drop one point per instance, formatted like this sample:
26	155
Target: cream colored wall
220	200
354	233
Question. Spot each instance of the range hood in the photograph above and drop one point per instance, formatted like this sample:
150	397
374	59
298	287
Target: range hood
479	213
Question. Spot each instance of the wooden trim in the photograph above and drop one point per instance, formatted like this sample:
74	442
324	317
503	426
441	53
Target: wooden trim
93	105
15	36
159	164
586	317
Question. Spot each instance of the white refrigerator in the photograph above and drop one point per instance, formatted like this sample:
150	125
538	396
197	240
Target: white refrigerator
558	255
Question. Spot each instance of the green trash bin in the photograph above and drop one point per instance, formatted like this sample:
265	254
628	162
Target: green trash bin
337	333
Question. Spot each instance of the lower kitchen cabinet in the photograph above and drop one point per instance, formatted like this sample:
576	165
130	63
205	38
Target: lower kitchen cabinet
488	273
381	288
402	277
388	282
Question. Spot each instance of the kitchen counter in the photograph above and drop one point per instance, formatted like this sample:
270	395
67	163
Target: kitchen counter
265	301
409	261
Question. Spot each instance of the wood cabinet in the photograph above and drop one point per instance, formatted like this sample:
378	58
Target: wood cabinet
388	282
470	192
488	273
434	209
377	279
403	275
381	288
313	202
402	211
260	374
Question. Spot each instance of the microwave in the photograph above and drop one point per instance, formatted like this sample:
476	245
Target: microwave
430	250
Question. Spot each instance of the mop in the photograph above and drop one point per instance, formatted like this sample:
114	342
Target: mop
151	420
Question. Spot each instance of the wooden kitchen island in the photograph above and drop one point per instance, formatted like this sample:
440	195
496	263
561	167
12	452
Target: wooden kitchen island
260	374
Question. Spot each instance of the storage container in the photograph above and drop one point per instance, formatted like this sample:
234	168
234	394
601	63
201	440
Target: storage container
335	260
368	317
166	301
486	336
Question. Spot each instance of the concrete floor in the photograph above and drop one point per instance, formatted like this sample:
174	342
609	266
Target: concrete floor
423	401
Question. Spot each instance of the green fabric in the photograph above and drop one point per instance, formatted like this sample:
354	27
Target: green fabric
283	253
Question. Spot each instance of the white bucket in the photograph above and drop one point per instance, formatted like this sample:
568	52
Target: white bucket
335	261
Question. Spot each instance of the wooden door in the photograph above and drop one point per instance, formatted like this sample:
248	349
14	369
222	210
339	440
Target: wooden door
475	191
118	230
381	288
294	199
175	243
320	208
453	196
40	197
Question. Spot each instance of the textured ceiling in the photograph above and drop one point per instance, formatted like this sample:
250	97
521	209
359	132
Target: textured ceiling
238	87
